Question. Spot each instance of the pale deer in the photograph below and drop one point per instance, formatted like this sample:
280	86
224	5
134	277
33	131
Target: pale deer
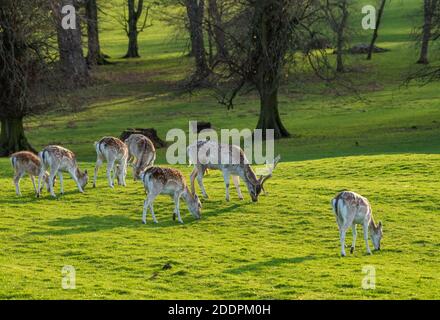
112	150
352	209
26	162
232	161
60	160
142	153
170	182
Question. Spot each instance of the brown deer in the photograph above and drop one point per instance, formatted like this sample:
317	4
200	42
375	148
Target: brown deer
112	150
142	153
170	182
26	162
60	159
352	209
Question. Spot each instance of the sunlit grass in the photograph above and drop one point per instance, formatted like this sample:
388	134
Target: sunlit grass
384	146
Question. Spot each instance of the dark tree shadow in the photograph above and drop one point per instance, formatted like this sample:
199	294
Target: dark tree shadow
95	223
88	224
166	221
255	267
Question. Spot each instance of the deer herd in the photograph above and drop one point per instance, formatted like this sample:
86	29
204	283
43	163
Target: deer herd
139	152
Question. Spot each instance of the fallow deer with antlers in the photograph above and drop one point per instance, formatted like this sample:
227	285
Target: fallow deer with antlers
229	159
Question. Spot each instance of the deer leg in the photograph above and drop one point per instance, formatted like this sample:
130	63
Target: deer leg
177	209
149	204
365	227
353	245
200	181
124	172
236	181
40	178
342	233
144	213
33	183
75	178
110	166
53	173
17	179
97	166
152	213
134	165
193	179
227	178
60	175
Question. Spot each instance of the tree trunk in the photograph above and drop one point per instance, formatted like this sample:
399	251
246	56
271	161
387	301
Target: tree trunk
195	11
94	56
133	17
268	60
217	29
133	47
376	30
429	8
269	114
72	61
339	54
210	42
12	137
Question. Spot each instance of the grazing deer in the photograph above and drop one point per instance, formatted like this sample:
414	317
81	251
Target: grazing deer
112	150
236	165
352	209
170	182
142	149
26	162
60	159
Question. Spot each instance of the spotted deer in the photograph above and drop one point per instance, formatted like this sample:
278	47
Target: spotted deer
142	153
352	209
170	182
112	150
26	162
60	160
229	159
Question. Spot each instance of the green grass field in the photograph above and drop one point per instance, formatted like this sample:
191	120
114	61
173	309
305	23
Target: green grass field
384	146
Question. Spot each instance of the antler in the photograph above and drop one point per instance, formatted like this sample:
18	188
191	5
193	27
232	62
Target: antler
263	179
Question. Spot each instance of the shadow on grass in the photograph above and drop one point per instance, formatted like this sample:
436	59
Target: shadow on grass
254	267
187	218
95	223
87	224
29	196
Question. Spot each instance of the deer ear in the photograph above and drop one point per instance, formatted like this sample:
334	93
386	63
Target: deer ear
380	224
85	171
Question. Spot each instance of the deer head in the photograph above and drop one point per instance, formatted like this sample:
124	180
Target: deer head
254	185
83	178
376	234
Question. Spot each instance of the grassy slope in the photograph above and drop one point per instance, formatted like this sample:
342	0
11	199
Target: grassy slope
238	249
